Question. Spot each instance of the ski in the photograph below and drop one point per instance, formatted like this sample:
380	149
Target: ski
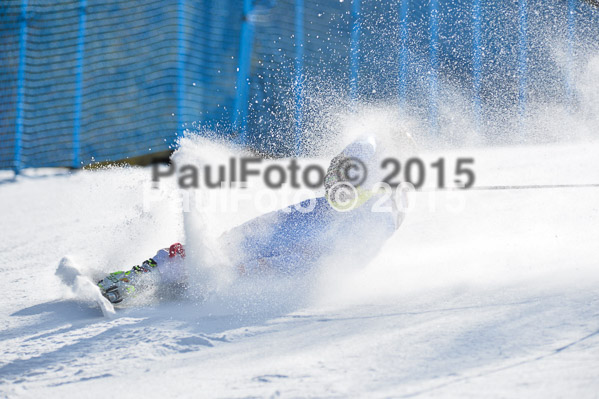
82	286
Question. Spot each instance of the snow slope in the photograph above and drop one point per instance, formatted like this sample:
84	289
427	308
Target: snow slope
484	293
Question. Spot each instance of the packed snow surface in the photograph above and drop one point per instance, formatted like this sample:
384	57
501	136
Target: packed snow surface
480	293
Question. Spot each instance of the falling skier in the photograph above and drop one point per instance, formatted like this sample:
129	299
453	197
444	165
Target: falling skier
291	241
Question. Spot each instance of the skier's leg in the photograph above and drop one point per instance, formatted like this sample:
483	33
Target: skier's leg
165	268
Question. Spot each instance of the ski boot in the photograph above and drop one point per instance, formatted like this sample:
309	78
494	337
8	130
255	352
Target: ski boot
120	285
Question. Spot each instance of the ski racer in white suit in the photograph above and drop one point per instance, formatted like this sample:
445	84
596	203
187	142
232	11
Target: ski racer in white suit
292	241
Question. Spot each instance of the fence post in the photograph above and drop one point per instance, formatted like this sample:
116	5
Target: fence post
240	107
20	88
523	61
181	53
477	62
434	71
299	72
403	54
78	85
355	50
570	61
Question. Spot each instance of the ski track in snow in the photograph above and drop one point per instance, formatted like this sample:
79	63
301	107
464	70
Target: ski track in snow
498	299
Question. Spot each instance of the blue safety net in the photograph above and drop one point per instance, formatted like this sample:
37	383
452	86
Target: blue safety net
84	81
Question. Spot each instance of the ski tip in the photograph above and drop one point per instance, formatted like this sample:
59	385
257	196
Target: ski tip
67	271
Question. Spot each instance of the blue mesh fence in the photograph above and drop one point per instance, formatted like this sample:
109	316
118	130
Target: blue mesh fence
113	79
86	80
